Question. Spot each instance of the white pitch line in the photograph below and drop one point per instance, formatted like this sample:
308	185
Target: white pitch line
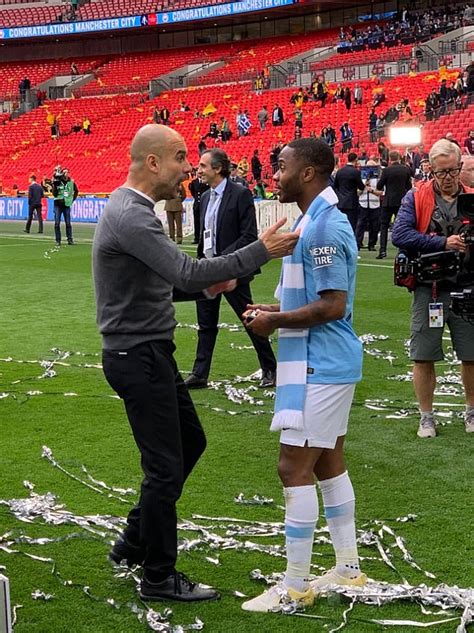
375	266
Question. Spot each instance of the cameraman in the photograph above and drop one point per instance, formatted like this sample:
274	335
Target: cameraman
64	192
428	222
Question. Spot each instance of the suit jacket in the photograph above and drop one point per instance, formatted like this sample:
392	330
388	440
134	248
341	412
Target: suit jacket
346	184
236	222
396	180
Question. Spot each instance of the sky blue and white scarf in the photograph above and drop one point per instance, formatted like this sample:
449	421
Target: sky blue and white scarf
293	343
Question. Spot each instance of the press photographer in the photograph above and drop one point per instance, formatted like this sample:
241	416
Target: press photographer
64	192
430	222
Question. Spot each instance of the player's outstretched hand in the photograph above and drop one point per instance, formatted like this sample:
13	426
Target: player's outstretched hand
279	244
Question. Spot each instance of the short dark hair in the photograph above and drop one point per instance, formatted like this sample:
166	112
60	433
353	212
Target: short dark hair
314	152
33	177
351	157
394	156
219	159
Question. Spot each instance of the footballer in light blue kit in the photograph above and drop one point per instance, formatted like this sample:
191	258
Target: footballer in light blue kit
319	364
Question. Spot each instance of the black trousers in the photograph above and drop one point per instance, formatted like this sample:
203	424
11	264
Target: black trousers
368	219
208	318
352	215
169	437
31	210
197	222
385	217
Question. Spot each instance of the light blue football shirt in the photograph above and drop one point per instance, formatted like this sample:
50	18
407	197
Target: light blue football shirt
330	263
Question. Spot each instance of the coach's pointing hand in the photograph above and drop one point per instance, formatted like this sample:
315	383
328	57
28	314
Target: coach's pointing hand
279	244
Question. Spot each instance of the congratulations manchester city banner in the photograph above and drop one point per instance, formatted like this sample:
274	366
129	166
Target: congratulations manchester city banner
136	21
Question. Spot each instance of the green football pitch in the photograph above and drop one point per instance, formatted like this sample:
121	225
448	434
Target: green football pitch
47	303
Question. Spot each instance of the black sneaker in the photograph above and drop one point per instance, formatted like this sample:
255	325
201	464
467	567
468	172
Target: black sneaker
381	255
125	551
70	243
176	587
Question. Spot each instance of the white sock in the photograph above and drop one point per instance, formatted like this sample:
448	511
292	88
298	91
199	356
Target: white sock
301	503
339	507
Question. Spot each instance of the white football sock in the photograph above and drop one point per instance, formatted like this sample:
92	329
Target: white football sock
301	504
339	507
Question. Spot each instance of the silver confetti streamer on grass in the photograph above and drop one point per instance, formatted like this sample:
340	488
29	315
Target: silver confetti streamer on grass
41	595
256	500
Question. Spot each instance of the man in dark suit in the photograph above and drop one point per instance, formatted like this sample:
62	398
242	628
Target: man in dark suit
348	185
395	181
35	195
197	187
227	223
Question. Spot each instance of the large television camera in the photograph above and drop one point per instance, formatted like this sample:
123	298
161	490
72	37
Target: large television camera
446	265
463	302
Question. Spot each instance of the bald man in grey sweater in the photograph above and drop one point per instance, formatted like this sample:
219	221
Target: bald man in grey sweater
138	272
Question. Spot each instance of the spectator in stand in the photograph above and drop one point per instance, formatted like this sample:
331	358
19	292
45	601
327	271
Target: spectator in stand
202	146
443	96
274	159
298	119
321	92
394	183
347	98
197	188
383	152
423	173
469	143
244	123
86	125
358	95
40	96
380	126
35	195
339	93
432	106
449	136
262	117
213	131
363	158
74	69
243	168
373	126
391	115
325	136
174	215
234	176
165	116
256	166
348	184
156	115
451	97
331	135
224	130
258	84
379	98
346	137
467	172
277	116
369	212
